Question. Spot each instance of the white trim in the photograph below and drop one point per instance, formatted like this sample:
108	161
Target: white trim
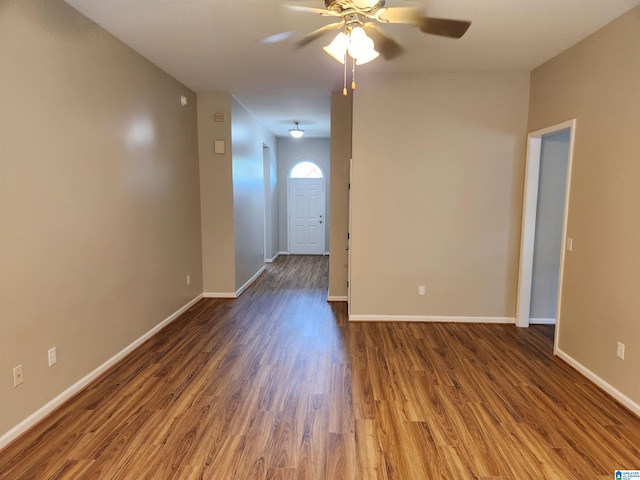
337	298
326	254
529	208
250	281
611	390
429	318
56	402
219	295
271	260
237	293
565	220
542	321
266	180
349	224
528	232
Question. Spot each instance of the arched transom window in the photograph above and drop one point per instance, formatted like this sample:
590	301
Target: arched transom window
306	169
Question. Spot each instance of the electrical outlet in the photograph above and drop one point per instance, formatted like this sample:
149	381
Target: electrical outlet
53	356
188	279
620	351
570	244
18	376
422	290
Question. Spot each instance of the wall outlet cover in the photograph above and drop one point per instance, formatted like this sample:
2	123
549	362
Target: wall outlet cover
53	356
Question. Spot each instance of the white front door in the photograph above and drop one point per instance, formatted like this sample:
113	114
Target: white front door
306	216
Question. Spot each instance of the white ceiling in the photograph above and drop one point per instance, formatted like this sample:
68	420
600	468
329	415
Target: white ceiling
214	46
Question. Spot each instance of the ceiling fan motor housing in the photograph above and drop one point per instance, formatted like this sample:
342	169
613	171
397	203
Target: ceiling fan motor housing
341	5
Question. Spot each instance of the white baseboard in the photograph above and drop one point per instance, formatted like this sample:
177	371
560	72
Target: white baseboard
271	260
250	281
337	298
219	295
611	390
427	318
56	402
542	321
238	292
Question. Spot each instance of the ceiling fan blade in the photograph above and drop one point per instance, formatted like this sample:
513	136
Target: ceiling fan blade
443	26
277	37
319	32
319	11
398	15
386	46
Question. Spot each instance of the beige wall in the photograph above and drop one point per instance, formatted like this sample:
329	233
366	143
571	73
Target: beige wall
233	195
290	152
216	194
99	200
597	82
341	114
438	165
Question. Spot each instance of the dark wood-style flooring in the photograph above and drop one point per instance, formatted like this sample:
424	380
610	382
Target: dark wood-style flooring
278	385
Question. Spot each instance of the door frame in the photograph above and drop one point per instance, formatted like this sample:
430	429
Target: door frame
529	210
268	223
324	202
349	244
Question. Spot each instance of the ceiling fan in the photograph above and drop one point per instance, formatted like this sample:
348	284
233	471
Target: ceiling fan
359	33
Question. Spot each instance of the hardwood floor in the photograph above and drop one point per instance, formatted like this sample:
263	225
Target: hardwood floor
278	385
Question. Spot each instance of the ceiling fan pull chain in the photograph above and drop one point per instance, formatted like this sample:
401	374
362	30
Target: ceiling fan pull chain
353	74
344	90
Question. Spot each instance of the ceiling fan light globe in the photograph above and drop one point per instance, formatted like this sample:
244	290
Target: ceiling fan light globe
367	57
362	49
338	47
357	35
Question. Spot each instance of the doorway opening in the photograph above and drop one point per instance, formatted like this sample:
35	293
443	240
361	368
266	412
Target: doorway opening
306	207
544	224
